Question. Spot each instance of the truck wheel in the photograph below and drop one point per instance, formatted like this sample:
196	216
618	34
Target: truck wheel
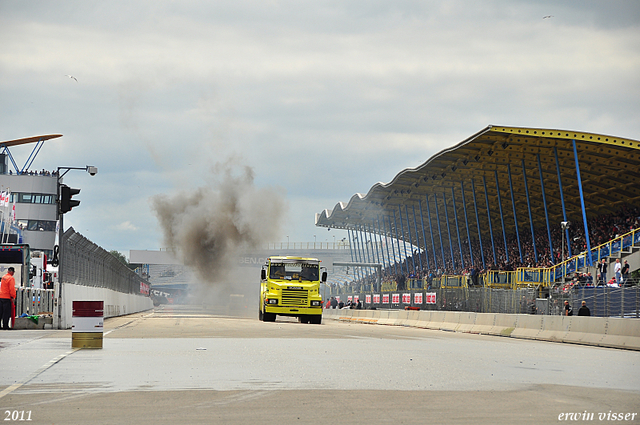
260	317
268	317
316	319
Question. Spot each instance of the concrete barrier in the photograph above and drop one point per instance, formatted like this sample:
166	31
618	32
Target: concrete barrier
587	330
483	323
622	333
451	321
528	326
467	321
435	321
600	331
413	317
424	318
504	324
554	328
402	318
384	317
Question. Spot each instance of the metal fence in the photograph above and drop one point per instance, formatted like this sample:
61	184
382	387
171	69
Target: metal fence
602	301
85	263
34	301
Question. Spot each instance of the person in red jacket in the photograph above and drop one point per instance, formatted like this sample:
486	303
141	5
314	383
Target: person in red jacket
7	295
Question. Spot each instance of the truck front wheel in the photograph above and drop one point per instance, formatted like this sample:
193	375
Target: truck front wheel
315	319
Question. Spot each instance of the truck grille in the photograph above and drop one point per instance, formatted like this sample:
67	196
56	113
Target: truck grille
294	297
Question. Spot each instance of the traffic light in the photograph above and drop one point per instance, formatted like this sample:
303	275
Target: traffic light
66	203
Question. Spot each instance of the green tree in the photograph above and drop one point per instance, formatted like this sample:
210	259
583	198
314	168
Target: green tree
120	256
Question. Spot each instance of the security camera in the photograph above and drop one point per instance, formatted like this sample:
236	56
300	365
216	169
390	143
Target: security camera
92	170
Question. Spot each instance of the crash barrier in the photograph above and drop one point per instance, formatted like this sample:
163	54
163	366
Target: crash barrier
115	303
598	331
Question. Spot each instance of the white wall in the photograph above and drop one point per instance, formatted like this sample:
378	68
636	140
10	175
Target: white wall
115	303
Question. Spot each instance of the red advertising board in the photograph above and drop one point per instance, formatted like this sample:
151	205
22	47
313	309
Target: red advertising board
385	298
367	298
376	299
417	297
395	298
406	298
430	297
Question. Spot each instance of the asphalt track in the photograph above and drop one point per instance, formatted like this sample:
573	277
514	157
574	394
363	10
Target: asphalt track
190	365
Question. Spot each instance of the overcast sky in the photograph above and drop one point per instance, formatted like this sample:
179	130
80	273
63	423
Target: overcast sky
321	99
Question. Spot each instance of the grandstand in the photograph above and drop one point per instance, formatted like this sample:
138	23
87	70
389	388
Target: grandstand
519	206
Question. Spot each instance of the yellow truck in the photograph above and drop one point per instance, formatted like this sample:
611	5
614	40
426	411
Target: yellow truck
290	286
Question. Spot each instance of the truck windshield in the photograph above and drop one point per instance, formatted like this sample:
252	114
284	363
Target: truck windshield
294	271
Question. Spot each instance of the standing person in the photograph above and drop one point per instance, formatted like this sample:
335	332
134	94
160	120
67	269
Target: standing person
616	270
625	273
584	310
7	295
568	311
602	272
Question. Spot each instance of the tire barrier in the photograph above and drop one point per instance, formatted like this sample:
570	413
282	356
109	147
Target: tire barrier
597	331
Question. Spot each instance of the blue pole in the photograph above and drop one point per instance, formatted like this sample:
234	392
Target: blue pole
392	249
372	229
564	211
384	265
584	210
486	200
395	222
433	243
404	241
415	226
352	248
455	215
446	215
361	272
424	236
444	261
466	222
475	205
504	233
526	189
413	261
515	216
546	214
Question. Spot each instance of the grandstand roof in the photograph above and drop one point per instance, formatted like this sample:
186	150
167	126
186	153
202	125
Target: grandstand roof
609	169
32	139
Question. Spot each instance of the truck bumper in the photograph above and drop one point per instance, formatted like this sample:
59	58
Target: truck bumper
293	311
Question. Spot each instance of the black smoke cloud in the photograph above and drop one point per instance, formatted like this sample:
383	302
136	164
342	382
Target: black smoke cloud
209	226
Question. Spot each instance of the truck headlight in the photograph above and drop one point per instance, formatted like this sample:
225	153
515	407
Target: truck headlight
272	301
316	303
